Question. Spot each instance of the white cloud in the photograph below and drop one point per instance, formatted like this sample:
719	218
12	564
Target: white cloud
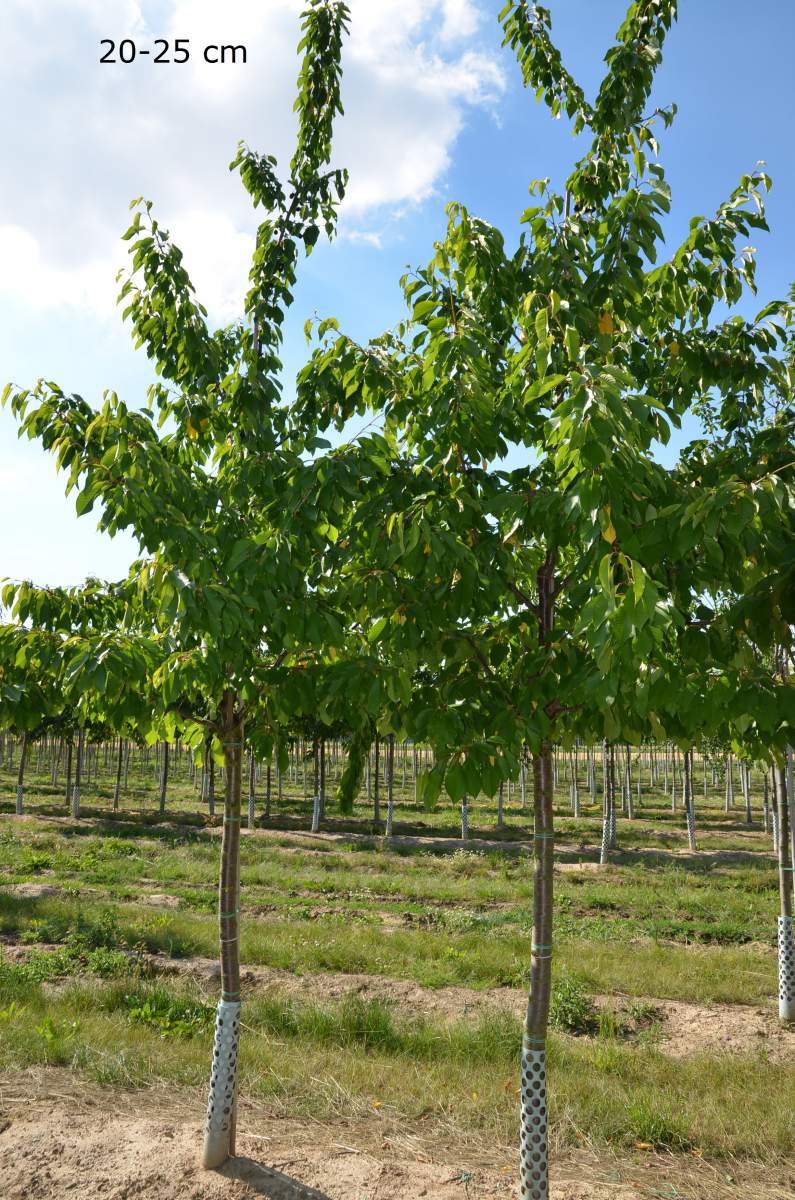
218	259
86	137
462	19
366	237
28	276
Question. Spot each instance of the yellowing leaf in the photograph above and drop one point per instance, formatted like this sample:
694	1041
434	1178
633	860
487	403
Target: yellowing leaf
609	534
674	349
194	428
606	324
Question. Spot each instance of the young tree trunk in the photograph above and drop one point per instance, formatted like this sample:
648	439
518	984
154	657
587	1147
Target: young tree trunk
322	789
786	949
376	784
687	792
390	781
210	780
315	787
219	1141
611	758
606	815
23	754
774	799
534	1167
56	763
119	763
69	752
252	788
746	782
78	772
163	778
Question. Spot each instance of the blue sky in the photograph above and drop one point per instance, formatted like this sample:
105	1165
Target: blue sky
434	111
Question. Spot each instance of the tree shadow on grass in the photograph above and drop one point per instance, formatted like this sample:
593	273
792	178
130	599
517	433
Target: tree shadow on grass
267	1181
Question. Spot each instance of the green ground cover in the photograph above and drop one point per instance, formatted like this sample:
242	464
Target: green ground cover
84	993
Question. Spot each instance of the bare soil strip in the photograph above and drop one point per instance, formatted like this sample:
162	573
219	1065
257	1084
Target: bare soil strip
58	1140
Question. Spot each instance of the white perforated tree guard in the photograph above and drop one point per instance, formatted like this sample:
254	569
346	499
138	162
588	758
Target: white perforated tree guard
786	970
605	839
390	816
464	822
19	799
533	1161
251	812
613	834
76	802
219	1127
691	827
315	814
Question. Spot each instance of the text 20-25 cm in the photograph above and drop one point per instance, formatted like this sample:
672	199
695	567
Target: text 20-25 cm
164	51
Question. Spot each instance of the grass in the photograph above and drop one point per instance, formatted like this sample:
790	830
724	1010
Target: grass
86	998
344	1059
701	974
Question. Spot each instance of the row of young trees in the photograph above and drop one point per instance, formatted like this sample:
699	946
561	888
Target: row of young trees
401	580
126	769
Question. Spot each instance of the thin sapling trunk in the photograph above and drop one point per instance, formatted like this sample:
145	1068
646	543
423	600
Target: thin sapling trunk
219	1140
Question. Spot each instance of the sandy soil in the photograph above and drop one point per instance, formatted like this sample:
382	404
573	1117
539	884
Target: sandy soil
57	1146
52	1152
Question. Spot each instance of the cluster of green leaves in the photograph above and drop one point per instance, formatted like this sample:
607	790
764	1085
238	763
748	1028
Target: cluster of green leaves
173	1016
586	350
401	579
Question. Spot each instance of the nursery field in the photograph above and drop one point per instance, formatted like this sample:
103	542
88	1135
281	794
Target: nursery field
384	988
414	815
